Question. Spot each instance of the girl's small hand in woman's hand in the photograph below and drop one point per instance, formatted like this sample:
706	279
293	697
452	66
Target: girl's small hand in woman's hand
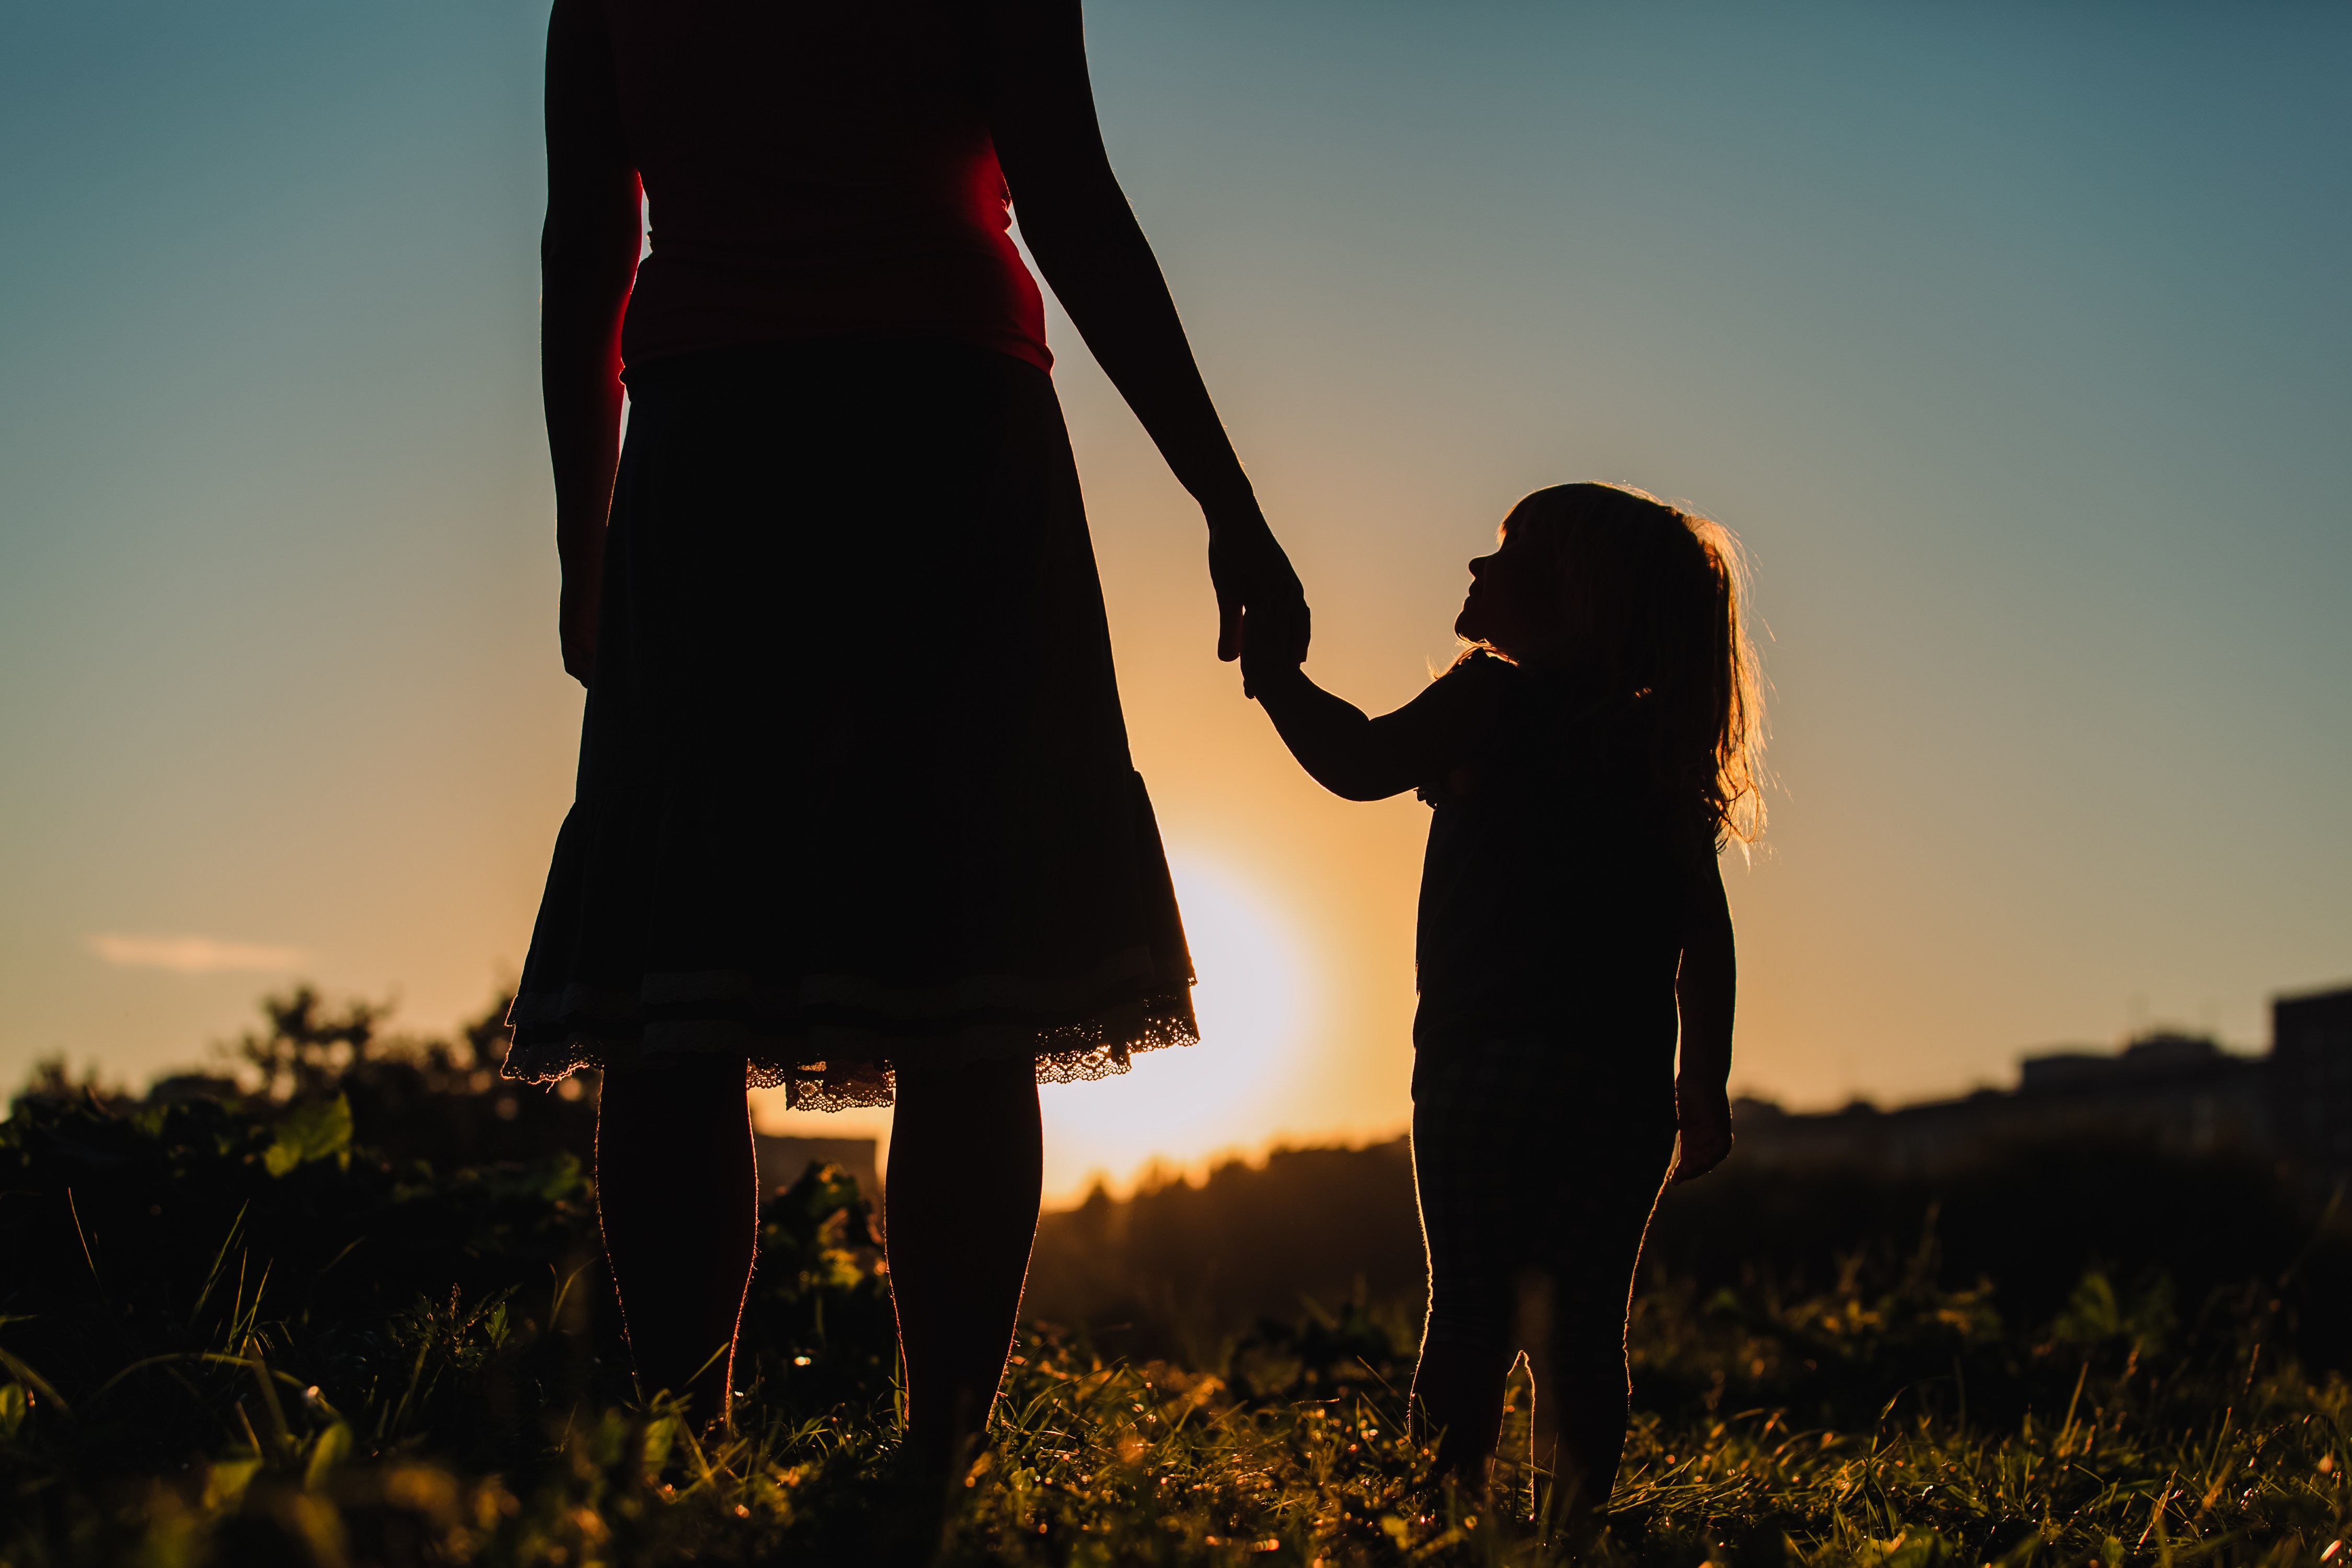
1272	652
1258	593
1704	1113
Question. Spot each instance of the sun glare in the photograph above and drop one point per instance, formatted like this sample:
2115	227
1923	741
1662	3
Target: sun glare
1179	1107
1176	1108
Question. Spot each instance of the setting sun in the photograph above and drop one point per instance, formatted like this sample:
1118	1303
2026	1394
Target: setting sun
1255	998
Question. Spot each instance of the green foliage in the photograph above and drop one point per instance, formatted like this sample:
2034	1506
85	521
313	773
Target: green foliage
235	1328
308	1132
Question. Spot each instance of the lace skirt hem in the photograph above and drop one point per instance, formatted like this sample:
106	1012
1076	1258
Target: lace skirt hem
838	1069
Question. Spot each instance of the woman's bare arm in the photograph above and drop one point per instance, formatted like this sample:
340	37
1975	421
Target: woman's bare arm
588	258
1041	111
1706	989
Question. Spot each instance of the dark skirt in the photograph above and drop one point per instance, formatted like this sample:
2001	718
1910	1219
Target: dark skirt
854	790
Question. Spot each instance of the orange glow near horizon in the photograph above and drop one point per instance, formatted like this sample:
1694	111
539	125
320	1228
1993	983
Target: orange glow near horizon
2026	404
1176	1111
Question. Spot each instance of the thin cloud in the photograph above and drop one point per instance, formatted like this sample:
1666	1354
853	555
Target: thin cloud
193	954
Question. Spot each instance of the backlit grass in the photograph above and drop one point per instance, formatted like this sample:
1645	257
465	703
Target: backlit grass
228	1335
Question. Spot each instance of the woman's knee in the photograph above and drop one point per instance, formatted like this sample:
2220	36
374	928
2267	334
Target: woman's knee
686	1090
990	1081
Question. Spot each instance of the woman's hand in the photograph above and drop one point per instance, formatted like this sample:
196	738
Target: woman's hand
583	590
1704	1113
1260	603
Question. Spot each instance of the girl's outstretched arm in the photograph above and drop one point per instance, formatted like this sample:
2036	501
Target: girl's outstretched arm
1041	113
588	260
1361	758
1704	990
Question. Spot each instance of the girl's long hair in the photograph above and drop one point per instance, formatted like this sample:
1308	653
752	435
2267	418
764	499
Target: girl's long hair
1653	601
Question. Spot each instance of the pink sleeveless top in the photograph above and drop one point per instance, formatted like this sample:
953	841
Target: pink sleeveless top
814	170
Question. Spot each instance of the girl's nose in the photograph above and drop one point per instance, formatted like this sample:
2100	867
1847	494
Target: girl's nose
1478	563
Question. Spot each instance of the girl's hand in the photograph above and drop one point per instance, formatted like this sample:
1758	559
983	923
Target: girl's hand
1259	597
1264	674
1704	1113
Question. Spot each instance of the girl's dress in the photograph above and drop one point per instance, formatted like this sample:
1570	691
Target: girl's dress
1551	922
855	789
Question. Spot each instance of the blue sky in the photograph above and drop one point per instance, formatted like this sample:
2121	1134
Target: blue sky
2013	339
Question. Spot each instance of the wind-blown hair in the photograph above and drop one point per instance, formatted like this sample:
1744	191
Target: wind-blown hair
1653	601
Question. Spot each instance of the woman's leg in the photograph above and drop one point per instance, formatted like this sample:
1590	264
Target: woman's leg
967	1162
678	1194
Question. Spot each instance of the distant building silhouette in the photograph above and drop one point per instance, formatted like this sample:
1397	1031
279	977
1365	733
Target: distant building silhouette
2311	1079
2180	1093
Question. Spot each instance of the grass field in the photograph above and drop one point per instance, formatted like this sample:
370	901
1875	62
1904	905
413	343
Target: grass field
259	1328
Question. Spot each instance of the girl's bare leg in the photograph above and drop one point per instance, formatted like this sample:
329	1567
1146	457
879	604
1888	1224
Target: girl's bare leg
1457	1396
967	1162
1583	1398
678	1195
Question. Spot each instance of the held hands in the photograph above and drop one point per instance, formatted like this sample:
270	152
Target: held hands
1262	615
1704	1113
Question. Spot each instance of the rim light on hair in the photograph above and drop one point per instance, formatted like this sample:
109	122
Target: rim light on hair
1654	603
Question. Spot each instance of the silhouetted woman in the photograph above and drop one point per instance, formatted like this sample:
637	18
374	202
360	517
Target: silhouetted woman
855	806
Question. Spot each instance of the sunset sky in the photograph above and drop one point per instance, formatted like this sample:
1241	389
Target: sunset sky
2015	341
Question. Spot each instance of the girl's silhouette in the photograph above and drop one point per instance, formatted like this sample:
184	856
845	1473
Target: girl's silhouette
855	813
1585	759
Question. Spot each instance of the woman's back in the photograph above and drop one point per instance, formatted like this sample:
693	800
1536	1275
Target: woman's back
814	170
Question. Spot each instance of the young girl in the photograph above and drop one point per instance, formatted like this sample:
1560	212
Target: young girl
1585	758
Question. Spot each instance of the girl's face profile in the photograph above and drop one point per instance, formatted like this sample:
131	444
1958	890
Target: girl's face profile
1513	605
